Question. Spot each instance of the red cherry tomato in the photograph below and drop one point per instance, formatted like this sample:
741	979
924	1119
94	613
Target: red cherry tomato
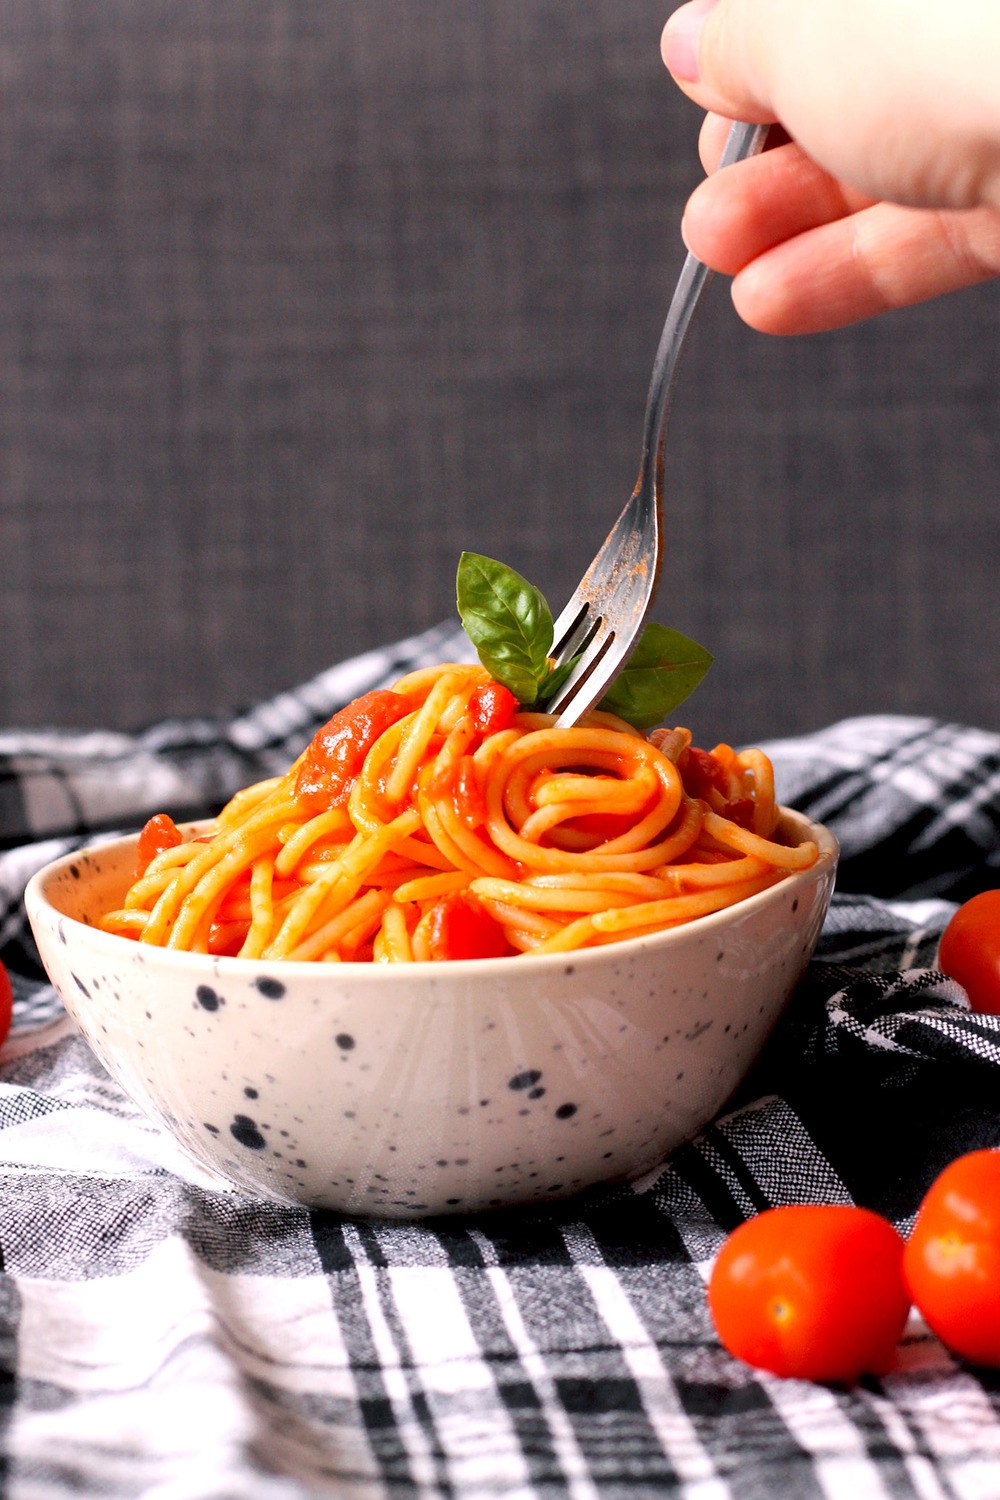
952	1260
970	951
6	1003
225	939
491	707
469	801
460	782
337	752
815	1292
459	926
739	811
161	832
701	772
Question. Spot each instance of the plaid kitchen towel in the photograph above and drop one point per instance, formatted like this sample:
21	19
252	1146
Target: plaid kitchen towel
162	1337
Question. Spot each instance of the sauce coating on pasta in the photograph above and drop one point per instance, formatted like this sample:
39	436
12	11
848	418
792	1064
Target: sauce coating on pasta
436	821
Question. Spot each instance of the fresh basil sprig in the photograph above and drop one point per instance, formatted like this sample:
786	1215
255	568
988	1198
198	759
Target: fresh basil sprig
510	624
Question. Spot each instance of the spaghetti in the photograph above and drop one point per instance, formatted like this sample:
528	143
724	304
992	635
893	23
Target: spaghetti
438	820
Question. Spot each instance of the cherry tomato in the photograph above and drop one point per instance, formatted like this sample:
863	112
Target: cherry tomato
161	832
337	751
970	951
701	772
491	707
739	811
469	802
460	782
6	1003
813	1291
459	926
952	1260
225	939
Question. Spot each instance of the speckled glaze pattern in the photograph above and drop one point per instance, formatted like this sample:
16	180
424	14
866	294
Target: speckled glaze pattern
400	1092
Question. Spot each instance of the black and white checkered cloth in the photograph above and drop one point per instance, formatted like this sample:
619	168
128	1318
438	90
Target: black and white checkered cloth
160	1337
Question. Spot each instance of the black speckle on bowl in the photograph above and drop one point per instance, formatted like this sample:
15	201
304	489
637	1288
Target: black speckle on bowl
208	998
345	1041
525	1080
271	989
244	1130
566	1111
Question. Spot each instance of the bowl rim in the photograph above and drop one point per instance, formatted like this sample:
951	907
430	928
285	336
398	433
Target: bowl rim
37	903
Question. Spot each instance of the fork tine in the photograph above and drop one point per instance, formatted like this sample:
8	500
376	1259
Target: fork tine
585	685
584	613
604	618
573	629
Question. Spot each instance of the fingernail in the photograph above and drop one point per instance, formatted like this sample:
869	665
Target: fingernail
681	37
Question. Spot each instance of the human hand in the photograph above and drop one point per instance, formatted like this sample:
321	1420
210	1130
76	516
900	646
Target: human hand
883	186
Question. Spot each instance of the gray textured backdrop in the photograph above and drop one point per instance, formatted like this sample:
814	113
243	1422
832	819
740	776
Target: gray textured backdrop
297	299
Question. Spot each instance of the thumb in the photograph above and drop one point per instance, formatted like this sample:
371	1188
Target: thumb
802	61
848	79
711	49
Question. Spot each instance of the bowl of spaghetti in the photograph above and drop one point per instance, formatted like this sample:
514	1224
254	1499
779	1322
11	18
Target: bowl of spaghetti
456	958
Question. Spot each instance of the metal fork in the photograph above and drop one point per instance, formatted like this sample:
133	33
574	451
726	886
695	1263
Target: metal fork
604	618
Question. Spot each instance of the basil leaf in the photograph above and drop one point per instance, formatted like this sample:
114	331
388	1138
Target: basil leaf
662	670
553	681
508	622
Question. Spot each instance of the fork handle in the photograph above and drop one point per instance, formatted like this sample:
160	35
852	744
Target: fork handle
743	141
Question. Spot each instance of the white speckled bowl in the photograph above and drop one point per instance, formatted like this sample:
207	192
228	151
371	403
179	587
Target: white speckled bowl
430	1088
